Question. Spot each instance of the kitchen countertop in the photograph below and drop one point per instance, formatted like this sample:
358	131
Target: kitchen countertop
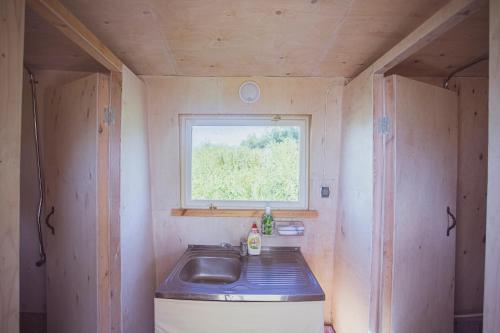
279	274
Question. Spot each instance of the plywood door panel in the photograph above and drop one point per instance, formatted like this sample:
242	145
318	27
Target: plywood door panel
425	184
71	159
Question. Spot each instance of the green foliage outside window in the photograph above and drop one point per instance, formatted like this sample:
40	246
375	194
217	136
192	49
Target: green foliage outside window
261	168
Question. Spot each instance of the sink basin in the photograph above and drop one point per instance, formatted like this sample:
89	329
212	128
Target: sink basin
211	270
214	273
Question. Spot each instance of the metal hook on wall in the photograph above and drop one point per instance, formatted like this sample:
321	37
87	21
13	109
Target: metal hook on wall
453	218
47	218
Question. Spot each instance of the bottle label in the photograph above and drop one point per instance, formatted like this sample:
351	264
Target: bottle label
254	243
267	225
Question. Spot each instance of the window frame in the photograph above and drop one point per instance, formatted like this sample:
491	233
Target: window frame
188	121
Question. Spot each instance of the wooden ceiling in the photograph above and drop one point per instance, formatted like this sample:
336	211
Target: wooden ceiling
46	48
459	46
245	38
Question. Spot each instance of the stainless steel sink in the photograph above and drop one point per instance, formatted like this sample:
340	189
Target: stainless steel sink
213	273
211	270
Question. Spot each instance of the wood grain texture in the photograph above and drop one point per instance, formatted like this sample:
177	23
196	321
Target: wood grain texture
465	42
103	233
60	17
425	183
170	96
224	38
11	82
257	213
32	278
115	253
47	48
444	19
492	282
388	214
137	249
353	241
243	38
472	187
471	194
71	145
379	166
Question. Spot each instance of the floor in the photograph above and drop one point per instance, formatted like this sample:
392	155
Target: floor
34	323
468	325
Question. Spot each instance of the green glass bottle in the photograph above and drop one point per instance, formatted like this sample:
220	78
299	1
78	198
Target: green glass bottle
267	225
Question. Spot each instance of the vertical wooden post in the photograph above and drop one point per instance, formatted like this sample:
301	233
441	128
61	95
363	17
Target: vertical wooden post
379	136
492	281
11	79
103	254
114	200
109	259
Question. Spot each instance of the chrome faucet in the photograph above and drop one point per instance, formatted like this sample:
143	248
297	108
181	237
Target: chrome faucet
243	247
226	245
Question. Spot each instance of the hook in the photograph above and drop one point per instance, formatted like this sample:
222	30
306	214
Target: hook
453	218
52	229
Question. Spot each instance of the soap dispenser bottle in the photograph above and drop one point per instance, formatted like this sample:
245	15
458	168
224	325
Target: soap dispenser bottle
267	224
254	241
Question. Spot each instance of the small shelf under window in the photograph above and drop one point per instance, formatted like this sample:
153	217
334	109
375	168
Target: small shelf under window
279	213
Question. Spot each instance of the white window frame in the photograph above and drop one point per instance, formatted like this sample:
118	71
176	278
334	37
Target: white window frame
188	121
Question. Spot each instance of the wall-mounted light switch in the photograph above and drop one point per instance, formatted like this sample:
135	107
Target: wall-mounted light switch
325	191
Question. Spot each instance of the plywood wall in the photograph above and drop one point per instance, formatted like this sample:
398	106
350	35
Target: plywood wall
492	282
138	280
170	96
471	194
353	241
32	278
11	80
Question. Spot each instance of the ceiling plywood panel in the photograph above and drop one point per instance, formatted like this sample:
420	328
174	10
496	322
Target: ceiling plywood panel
47	48
130	29
372	28
252	37
457	47
258	37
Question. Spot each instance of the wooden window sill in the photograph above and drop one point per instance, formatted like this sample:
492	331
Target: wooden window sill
278	213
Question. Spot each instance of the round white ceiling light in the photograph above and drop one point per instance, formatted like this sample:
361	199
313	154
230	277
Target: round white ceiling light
249	92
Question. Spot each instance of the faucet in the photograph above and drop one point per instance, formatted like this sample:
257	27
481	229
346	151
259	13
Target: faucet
243	247
226	245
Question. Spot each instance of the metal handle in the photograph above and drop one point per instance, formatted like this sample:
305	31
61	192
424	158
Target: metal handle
51	227
453	218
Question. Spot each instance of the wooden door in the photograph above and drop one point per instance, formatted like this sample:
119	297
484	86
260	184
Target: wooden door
421	182
75	159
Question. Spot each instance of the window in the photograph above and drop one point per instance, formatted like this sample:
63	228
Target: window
244	161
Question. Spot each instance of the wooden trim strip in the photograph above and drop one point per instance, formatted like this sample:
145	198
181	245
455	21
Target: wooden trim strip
114	129
444	19
61	18
243	213
102	228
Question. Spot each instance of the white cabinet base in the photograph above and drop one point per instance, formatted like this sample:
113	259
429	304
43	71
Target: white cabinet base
182	316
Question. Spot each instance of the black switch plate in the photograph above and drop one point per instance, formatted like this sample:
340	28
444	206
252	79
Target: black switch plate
325	191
